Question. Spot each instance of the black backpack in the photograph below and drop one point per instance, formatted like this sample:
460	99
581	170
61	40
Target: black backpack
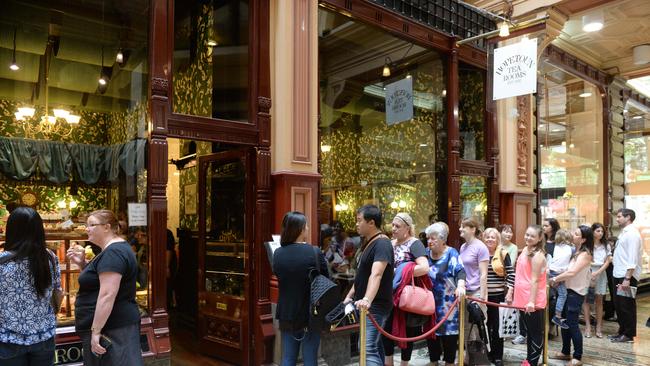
324	295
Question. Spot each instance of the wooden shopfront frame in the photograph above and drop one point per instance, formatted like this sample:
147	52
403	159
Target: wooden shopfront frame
253	134
428	37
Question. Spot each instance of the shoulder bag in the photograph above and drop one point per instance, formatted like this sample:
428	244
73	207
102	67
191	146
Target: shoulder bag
324	295
418	300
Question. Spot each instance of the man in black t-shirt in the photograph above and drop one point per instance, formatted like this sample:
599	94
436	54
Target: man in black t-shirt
372	287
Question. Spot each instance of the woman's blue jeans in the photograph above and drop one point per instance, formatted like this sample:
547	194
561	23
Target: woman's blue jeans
374	348
291	342
572	309
41	354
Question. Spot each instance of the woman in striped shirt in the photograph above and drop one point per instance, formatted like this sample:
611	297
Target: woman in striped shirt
501	280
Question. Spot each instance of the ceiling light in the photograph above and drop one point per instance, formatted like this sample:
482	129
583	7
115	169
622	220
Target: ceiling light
72	118
26	111
423	145
60	113
504	30
14	66
212	43
593	21
641	54
444	92
394	205
571	145
408	75
585	95
73	204
563	143
386	70
61	204
637	117
402	204
119	58
101	80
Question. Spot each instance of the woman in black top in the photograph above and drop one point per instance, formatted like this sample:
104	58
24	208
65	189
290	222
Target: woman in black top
292	263
105	306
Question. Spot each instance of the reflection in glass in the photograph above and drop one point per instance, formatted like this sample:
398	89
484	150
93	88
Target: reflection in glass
225	249
473	198
365	157
570	138
55	97
211	58
471	112
637	173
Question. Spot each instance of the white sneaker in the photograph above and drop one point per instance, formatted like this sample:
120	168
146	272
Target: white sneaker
519	340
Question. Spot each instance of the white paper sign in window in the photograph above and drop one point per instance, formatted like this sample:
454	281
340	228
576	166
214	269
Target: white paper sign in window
515	69
399	101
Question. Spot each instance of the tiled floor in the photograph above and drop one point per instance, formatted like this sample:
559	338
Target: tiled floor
596	351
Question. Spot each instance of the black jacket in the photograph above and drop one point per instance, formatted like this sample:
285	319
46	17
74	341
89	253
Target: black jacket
292	264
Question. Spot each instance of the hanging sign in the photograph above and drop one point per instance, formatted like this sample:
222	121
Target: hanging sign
399	101
137	214
515	69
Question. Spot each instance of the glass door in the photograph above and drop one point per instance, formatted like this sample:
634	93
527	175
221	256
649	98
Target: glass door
224	191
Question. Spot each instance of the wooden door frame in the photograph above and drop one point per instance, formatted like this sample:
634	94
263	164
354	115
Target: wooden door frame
256	133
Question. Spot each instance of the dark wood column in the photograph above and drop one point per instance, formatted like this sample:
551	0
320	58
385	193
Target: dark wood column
453	147
263	333
492	147
157	174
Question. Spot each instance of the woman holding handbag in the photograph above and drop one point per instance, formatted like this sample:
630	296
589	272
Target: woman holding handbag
29	279
292	263
406	248
448	276
501	279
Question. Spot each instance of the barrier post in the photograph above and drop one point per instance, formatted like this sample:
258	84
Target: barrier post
461	332
362	337
546	328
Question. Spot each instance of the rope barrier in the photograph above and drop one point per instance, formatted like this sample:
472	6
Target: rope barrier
420	337
495	304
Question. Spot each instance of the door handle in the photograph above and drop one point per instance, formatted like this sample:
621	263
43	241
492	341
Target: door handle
202	302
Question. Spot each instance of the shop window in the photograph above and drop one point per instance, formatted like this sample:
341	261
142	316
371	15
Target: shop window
369	153
637	172
473	198
74	118
211	59
471	112
570	141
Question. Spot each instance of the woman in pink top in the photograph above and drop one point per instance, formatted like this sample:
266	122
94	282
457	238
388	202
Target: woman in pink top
530	291
577	278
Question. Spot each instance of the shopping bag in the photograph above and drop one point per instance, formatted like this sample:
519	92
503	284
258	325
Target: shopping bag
508	322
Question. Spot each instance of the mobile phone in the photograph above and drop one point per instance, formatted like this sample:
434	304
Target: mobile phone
105	342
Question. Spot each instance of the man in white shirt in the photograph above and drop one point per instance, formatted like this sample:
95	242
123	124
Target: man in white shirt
627	270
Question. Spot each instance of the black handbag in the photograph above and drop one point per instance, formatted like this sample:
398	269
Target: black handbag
477	353
324	295
338	318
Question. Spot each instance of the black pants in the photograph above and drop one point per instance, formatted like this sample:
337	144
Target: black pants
389	344
535	340
496	342
609	306
626	311
443	344
522	325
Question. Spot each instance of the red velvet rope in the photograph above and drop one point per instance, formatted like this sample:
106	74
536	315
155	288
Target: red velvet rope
495	304
413	339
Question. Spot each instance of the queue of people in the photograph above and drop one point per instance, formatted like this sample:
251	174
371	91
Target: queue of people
488	267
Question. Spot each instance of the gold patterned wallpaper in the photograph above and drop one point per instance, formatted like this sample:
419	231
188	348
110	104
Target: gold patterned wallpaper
93	128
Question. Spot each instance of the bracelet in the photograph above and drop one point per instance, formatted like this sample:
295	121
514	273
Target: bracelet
92	331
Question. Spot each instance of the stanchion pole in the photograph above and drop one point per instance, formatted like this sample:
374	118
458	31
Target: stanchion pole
362	337
546	317
461	332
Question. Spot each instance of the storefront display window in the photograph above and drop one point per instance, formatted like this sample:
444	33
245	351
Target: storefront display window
382	108
211	59
637	173
473	198
471	112
73	123
571	148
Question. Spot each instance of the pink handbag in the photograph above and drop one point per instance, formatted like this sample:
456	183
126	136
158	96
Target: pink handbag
418	300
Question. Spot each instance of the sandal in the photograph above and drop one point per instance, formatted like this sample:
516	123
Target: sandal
574	362
560	356
587	334
599	335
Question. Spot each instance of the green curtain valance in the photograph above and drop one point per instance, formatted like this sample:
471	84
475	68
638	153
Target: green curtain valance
55	160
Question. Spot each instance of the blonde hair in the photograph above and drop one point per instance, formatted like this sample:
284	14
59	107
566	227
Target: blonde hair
408	220
563	236
107	217
492	230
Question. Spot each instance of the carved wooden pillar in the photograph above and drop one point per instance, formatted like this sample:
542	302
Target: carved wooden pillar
492	149
453	148
262	340
157	175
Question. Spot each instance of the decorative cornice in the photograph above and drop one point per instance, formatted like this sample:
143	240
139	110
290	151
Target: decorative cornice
632	94
264	104
573	64
474	167
159	86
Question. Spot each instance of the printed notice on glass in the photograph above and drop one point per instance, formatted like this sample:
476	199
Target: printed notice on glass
137	214
515	69
399	101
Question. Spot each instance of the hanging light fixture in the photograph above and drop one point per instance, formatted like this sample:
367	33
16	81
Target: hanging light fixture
386	71
119	58
593	21
14	66
504	29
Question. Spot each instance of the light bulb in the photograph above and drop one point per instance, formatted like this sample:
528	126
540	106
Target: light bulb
72	118
386	71
504	30
61	204
402	204
394	205
14	66
325	148
338	208
26	111
593	22
101	81
60	113
119	58
73	204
